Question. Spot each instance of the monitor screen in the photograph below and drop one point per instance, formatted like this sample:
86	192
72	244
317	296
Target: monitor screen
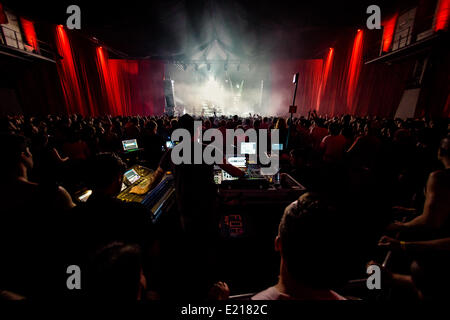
226	176
130	145
132	176
170	144
277	146
248	147
239	162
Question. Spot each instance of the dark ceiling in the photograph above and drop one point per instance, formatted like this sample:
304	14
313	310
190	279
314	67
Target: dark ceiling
178	27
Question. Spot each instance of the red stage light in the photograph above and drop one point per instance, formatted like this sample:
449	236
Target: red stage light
354	70
30	32
388	33
442	15
326	72
68	74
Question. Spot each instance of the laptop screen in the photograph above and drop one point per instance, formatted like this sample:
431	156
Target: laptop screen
130	145
240	162
248	147
277	146
132	176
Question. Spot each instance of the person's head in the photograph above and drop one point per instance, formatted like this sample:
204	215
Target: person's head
319	122
115	273
444	150
107	174
281	124
151	126
334	129
187	122
17	157
257	124
134	121
207	124
174	124
311	242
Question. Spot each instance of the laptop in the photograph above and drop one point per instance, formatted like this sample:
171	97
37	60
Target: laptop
240	162
248	147
130	145
131	176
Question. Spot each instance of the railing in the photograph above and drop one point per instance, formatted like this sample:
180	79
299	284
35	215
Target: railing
403	40
15	39
422	28
11	39
412	36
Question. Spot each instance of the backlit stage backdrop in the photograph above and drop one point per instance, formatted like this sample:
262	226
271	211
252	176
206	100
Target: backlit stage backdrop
336	82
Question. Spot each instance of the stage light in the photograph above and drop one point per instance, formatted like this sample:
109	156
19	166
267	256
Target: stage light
225	66
208	66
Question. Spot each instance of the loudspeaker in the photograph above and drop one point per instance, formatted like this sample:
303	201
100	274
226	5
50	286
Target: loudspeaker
169	94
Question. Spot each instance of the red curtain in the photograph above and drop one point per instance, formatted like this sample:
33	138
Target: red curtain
310	78
354	71
327	67
70	81
93	84
359	89
137	86
442	15
30	33
388	32
3	17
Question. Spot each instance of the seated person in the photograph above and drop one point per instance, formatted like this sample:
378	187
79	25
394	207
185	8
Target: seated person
301	168
115	273
310	243
195	192
436	211
104	218
30	222
153	144
194	183
429	276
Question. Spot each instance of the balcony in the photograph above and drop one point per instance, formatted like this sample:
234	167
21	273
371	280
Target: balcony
412	36
11	44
